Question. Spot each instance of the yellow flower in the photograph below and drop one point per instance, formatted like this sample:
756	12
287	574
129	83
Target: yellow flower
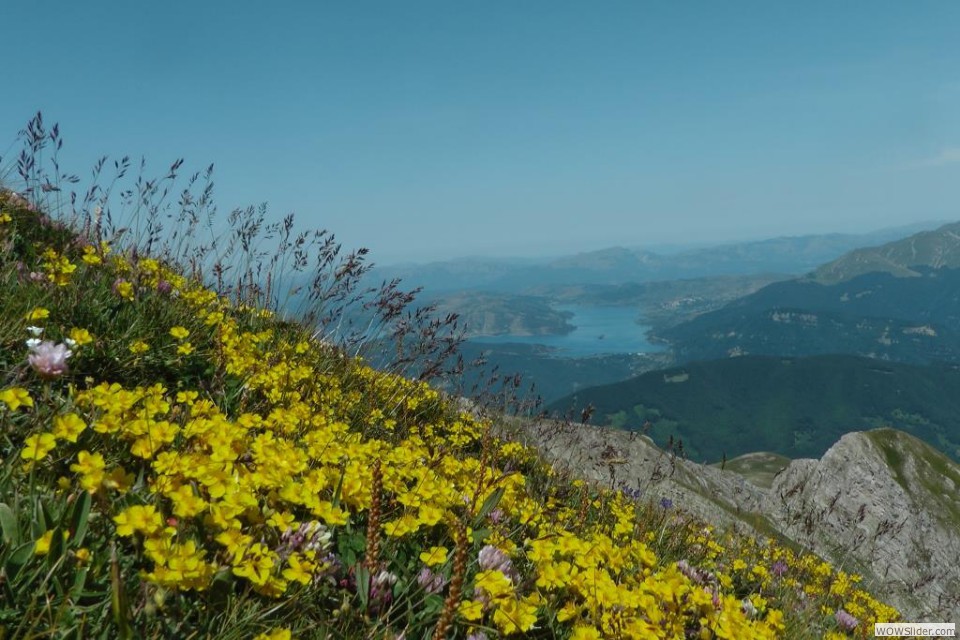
39	313
143	519
568	611
513	616
185	349
179	333
494	582
471	610
42	546
36	447
139	347
299	569
275	634
5	218
68	427
90	466
82	555
282	520
401	526
16	397
118	479
434	556
80	336
124	289
186	503
584	632
90	255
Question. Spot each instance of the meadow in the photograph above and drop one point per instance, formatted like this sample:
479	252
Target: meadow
178	460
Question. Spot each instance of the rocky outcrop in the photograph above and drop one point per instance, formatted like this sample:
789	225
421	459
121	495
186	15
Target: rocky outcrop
881	503
888	506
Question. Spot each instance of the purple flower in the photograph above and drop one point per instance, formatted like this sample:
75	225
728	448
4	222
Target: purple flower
479	635
696	574
491	558
846	621
381	590
430	581
48	359
164	287
309	536
779	568
666	503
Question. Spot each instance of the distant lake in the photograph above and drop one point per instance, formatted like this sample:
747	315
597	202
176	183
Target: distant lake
617	326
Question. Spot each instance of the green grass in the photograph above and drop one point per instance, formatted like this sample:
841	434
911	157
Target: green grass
759	468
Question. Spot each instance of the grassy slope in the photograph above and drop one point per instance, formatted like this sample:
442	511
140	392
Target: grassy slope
157	488
796	407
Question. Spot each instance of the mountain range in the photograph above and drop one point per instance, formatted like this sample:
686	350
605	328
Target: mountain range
618	265
905	308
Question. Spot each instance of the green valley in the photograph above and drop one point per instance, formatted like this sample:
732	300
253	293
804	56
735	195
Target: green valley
795	407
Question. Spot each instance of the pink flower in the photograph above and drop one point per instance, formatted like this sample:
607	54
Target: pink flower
48	359
845	620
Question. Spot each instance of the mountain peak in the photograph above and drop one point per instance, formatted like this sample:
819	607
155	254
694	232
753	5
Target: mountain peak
937	249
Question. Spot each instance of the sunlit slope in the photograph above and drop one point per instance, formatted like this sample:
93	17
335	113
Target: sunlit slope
175	464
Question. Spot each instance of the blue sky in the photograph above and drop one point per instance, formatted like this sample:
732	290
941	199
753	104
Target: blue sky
426	130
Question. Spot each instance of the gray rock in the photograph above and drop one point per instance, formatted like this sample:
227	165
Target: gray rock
881	504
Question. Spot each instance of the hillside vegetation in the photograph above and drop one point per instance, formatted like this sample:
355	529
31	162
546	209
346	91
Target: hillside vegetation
177	462
908	319
795	407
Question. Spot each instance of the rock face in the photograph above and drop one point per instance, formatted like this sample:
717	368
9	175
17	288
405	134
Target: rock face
886	503
881	503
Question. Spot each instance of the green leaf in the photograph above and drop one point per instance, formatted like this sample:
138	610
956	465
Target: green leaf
8	526
20	556
480	534
56	547
362	576
336	493
432	605
350	546
79	581
78	519
118	598
488	505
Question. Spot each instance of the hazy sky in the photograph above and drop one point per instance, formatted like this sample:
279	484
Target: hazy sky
425	130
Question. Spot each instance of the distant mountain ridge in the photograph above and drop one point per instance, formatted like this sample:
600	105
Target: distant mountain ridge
619	265
877	314
937	249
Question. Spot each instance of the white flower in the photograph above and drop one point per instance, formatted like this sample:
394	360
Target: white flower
33	343
35	331
49	360
70	342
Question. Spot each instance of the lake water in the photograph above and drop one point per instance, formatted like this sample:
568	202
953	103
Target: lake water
617	326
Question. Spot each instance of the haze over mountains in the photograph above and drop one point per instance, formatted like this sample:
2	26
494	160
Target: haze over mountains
618	265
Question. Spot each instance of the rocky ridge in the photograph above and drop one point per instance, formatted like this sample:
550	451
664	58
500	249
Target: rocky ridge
879	503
